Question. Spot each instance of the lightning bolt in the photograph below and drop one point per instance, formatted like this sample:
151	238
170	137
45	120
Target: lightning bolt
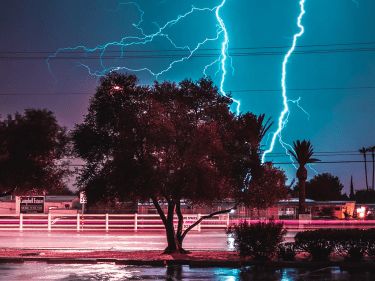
224	50
356	3
144	39
283	119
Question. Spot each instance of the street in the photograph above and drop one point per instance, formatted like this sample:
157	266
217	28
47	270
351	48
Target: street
120	241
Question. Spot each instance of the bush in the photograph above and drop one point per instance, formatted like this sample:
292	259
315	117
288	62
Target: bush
369	237
319	243
350	243
370	217
258	240
287	251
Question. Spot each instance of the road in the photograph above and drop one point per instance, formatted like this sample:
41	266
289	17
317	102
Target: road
110	271
121	241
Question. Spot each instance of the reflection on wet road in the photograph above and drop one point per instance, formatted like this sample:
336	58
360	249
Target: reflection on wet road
112	272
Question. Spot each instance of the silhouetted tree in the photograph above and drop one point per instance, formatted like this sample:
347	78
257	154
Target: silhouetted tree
31	148
364	196
302	152
351	196
168	143
363	151
324	187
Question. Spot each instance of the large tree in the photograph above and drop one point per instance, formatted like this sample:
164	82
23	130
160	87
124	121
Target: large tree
324	187
168	143
302	152
31	148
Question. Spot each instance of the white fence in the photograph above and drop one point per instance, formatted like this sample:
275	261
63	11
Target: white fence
139	222
103	222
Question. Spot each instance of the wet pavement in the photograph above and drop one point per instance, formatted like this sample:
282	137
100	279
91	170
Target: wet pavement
112	272
122	241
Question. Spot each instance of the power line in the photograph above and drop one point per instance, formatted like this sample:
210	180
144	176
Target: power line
234	91
180	50
307	89
180	56
282	163
322	162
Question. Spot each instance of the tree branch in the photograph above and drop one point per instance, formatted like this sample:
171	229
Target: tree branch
180	221
206	217
158	208
8	192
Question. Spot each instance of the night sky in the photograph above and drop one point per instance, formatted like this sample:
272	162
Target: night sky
332	68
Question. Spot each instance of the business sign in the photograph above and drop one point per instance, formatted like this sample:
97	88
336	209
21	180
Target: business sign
189	219
32	204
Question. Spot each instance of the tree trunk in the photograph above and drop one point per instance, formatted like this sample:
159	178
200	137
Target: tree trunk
180	223
173	245
302	177
169	229
302	196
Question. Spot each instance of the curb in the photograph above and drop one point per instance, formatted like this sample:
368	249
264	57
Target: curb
11	260
70	261
368	266
141	262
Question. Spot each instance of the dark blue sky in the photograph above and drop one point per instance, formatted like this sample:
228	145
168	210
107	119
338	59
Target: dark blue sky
260	33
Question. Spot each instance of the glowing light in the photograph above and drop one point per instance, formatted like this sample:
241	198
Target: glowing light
144	39
361	212
283	119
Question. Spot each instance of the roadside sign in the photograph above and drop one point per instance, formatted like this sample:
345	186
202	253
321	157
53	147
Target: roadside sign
82	197
32	204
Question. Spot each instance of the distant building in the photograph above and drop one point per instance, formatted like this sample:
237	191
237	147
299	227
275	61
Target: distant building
284	210
12	204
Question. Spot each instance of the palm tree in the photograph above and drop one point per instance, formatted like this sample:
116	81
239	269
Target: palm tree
372	150
302	153
363	151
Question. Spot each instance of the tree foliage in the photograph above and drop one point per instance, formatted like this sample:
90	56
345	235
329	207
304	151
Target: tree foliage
364	196
31	146
170	142
324	187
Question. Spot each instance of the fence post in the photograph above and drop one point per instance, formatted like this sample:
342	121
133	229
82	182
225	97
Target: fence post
135	222
49	222
106	222
21	221
78	222
199	224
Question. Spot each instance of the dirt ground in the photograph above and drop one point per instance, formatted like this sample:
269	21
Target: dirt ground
140	255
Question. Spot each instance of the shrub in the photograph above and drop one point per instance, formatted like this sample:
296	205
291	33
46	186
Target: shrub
369	237
287	251
258	240
318	243
370	217
350	243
